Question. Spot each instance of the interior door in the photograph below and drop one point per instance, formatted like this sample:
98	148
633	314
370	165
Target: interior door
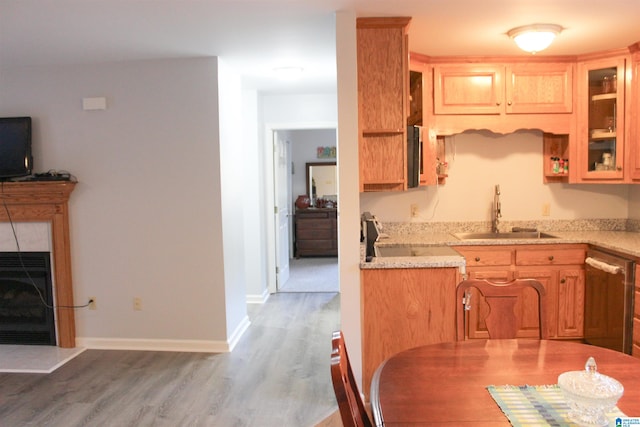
282	210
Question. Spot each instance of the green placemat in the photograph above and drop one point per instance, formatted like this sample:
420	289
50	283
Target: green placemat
539	405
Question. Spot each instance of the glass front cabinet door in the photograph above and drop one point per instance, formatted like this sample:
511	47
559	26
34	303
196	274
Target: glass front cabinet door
601	120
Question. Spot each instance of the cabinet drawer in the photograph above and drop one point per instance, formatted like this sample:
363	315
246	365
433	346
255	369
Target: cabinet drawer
305	224
314	244
550	256
478	257
316	214
314	234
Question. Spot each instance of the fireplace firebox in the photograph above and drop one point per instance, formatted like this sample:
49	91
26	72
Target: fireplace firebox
26	299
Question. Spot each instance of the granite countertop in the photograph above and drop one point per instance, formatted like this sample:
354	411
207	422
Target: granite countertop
623	242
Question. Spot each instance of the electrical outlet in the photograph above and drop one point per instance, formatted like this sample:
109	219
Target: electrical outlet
414	210
137	304
92	304
546	209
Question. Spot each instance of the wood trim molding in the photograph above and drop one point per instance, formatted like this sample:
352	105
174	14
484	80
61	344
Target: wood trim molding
391	22
513	59
48	202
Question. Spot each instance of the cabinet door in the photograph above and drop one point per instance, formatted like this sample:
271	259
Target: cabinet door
539	88
381	80
601	120
468	89
405	308
571	303
476	327
383	163
634	117
530	308
382	50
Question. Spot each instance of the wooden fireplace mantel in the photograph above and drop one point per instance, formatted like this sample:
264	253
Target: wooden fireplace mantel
47	201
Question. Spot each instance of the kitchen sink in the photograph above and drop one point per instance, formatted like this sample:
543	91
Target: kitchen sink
504	236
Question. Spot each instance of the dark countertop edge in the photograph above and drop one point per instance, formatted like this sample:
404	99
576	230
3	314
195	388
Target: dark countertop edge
626	243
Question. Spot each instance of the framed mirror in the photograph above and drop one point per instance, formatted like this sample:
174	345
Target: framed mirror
322	181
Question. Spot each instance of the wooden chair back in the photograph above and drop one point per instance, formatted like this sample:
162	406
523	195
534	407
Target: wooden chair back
350	404
501	321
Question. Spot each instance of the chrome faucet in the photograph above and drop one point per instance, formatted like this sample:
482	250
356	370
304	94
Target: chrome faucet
496	214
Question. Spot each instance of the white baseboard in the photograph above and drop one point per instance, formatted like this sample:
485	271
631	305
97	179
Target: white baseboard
258	299
193	346
237	334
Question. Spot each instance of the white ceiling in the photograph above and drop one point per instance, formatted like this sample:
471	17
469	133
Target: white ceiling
256	36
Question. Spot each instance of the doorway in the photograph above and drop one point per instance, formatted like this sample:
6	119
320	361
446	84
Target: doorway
312	274
299	146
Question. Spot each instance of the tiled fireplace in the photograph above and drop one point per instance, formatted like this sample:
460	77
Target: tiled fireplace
26	299
39	212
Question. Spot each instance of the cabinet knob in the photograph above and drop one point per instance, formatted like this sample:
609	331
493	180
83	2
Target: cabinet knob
509	103
619	168
477	258
498	103
563	280
550	257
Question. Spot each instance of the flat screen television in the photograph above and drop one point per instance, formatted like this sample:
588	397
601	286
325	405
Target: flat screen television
15	147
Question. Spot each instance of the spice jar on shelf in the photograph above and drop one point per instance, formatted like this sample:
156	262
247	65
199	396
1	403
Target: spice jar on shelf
614	83
606	84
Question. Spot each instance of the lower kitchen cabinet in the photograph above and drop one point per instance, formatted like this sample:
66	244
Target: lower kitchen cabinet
558	267
565	300
404	308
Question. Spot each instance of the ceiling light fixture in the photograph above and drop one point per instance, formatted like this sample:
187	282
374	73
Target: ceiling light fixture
534	38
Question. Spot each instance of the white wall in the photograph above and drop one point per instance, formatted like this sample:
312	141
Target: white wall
253	169
348	200
480	160
233	200
146	214
312	111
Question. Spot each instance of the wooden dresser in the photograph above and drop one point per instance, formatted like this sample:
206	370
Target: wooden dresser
316	232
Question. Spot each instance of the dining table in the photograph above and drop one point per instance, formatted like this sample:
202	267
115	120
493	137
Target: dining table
447	383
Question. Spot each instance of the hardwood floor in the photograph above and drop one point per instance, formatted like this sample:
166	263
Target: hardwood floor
278	375
312	274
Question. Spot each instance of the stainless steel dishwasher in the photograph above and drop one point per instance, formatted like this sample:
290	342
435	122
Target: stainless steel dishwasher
608	317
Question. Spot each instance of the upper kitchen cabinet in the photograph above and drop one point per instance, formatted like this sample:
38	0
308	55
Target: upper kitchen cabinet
634	115
601	119
498	89
503	96
468	89
383	58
